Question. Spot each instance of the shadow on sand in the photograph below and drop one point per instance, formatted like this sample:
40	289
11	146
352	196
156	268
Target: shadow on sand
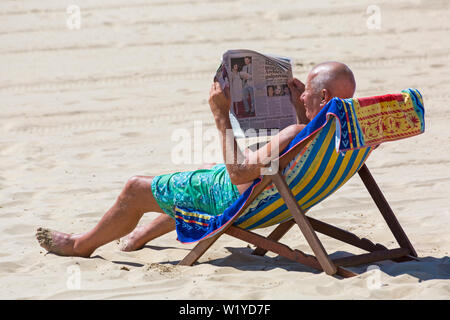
428	268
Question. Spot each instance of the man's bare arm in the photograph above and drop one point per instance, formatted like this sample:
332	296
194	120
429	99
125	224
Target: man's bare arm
244	168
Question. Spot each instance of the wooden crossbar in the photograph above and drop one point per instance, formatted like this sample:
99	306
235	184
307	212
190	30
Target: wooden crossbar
274	246
326	229
378	255
276	235
283	250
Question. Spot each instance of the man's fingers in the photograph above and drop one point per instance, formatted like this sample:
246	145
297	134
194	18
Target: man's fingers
294	83
290	84
298	83
214	87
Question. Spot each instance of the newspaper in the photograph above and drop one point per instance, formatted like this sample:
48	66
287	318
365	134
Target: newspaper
260	96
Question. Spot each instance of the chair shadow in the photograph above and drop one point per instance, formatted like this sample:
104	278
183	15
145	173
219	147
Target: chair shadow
241	258
427	268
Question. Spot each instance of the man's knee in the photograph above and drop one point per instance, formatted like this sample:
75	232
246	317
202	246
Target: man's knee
138	184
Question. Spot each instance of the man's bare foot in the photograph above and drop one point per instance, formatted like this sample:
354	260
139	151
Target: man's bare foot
133	241
59	243
142	234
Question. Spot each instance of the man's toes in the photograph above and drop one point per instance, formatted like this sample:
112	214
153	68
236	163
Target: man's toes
39	231
123	244
44	237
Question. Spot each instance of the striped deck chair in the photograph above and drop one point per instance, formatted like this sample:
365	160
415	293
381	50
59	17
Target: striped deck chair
319	160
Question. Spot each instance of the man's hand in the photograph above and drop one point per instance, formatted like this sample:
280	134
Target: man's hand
219	100
297	88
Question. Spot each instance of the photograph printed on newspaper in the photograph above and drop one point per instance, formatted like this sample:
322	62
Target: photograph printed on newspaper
260	96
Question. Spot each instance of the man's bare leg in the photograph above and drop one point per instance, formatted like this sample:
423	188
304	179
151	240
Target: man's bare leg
141	235
135	199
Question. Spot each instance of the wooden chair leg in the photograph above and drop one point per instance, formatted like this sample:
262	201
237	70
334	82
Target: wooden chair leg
304	224
198	251
352	239
385	209
204	245
275	235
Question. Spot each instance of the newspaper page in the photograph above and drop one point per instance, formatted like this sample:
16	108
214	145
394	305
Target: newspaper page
260	96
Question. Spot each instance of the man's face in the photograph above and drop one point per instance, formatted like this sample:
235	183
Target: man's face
247	60
311	98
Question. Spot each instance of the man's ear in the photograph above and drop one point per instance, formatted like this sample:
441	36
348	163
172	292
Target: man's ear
325	97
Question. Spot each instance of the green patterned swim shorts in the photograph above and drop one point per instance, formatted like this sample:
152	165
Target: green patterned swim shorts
207	190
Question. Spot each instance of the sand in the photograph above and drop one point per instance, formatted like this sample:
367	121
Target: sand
83	110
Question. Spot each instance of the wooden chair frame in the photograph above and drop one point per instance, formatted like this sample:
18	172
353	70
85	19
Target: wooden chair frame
308	226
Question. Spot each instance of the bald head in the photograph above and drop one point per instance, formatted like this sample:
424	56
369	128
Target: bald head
326	81
335	77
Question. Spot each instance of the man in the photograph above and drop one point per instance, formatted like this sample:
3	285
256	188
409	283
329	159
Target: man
211	190
247	89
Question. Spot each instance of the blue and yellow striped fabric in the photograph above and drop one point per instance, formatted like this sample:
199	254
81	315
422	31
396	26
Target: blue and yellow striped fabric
313	175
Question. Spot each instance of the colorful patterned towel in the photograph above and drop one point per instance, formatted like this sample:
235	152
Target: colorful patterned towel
336	152
371	121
